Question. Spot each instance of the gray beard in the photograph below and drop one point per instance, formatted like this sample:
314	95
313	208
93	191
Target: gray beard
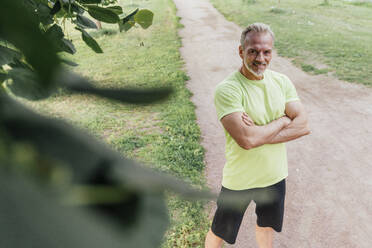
251	70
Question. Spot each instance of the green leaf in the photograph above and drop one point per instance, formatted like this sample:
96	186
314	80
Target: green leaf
8	55
62	13
135	96
56	8
17	63
24	33
90	41
109	2
3	76
130	16
25	84
71	146
55	33
126	26
77	9
103	14
117	9
147	180
90	1
85	22
68	62
30	215
127	22
43	11
67	46
30	4
90	161
79	84
66	2
144	18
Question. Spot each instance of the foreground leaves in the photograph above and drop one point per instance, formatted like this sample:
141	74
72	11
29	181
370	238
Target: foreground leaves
40	51
134	206
86	158
78	84
8	55
109	201
30	216
90	41
85	22
25	84
103	14
25	35
144	18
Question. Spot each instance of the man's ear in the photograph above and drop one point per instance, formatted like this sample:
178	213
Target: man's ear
241	51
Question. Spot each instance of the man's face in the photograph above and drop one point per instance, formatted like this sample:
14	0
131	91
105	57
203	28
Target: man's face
257	52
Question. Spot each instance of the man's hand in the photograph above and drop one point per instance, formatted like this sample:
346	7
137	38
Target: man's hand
250	136
298	126
294	127
247	120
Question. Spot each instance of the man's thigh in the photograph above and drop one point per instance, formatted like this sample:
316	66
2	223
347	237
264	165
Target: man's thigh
228	217
270	206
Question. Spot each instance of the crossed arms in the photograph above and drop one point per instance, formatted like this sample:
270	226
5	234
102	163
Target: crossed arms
248	135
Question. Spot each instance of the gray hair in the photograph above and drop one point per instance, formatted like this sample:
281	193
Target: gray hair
256	28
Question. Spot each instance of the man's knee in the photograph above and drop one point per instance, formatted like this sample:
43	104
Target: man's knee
264	229
212	240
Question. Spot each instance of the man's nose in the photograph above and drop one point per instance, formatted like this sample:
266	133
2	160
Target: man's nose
260	57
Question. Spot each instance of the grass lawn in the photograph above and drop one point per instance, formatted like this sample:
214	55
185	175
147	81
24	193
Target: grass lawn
164	136
321	38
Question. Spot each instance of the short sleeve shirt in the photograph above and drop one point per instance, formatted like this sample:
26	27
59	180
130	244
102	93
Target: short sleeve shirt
264	101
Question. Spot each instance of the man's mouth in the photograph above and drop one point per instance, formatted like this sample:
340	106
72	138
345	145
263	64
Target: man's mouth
255	69
260	65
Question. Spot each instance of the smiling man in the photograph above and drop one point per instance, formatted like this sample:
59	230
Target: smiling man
259	110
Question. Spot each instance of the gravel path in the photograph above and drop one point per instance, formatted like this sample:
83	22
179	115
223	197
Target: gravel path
329	188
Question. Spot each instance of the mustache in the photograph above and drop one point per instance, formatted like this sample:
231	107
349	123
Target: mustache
259	63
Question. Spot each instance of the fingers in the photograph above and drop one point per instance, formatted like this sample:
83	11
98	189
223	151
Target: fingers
287	120
247	120
248	123
246	117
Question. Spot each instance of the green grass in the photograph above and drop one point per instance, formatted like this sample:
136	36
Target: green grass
312	69
164	136
362	3
335	38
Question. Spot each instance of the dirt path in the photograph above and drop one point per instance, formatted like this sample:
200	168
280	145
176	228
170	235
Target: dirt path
329	188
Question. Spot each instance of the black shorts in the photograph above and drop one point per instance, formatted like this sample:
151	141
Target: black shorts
269	210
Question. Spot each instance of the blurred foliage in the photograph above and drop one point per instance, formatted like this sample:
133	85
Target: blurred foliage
42	28
59	186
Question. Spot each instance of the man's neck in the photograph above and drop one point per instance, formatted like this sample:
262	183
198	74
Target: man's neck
246	73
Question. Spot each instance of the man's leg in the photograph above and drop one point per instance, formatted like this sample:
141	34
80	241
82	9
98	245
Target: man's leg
264	236
270	212
212	241
227	218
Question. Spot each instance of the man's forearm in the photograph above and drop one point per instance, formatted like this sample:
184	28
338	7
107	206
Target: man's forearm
296	129
259	135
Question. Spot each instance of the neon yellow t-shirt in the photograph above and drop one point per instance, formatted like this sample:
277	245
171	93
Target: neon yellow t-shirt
264	101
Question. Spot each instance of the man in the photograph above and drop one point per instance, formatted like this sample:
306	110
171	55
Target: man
260	110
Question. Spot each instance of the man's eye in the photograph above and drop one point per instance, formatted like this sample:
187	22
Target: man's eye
252	51
267	52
